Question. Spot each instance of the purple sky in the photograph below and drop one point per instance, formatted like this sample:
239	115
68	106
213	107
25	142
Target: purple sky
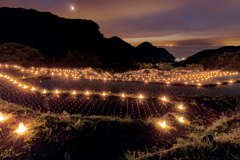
160	22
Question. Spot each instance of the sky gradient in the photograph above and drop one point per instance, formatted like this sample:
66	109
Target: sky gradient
160	22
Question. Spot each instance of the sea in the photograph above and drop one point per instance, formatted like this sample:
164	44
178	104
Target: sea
186	51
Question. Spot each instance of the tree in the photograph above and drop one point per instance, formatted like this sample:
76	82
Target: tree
147	65
15	53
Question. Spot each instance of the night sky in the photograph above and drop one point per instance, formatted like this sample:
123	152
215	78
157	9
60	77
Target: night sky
160	22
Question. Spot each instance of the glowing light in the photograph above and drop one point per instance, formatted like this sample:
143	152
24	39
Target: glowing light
74	92
164	99
25	86
87	92
199	84
123	95
180	107
104	94
181	119
140	96
20	85
15	82
33	89
56	92
72	8
231	81
162	124
1	117
21	128
44	91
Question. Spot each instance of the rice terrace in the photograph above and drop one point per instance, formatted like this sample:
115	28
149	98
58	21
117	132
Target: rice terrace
168	89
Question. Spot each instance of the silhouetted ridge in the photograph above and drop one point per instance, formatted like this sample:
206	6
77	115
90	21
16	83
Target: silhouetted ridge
158	54
54	37
215	58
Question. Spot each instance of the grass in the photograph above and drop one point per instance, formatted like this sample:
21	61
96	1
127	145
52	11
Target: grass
50	136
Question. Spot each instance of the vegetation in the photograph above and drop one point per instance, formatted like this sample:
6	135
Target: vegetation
76	59
54	136
226	58
54	36
15	53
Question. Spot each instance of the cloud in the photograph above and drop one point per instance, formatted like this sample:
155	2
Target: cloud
157	21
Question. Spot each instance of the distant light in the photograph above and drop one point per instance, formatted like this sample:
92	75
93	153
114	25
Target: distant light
72	8
140	96
74	92
44	91
123	95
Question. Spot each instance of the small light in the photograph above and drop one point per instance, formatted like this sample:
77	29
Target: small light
181	119
140	96
33	89
21	128
87	92
180	107
44	91
56	92
162	124
1	117
15	82
164	99
123	95
74	92
104	94
25	86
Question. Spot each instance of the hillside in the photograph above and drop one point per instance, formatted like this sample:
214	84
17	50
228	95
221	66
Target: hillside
54	37
227	57
152	52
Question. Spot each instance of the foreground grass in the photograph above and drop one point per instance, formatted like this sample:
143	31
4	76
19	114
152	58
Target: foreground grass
50	136
54	136
225	131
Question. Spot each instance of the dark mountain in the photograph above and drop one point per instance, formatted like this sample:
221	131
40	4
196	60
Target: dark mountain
228	56
155	54
54	36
